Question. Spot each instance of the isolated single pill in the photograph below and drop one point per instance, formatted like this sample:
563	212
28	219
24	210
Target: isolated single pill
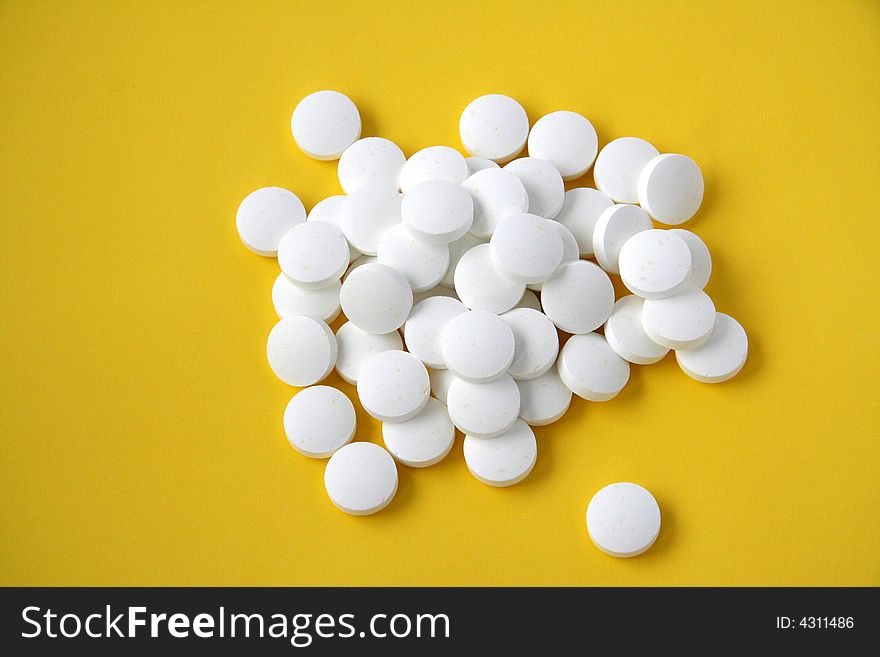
701	259
496	194
288	298
425	325
393	386
721	356
438	211
421	263
433	163
324	124
590	368
314	254
536	343
422	441
484	410
301	350
477	345
495	127
626	335
504	460
655	264
567	140
684	321
481	285
329	210
367	213
479	163
319	420
370	162
543	400
361	478
580	211
579	297
456	250
355	346
527	248
612	230
623	519
671	188
543	184
265	216
376	298
619	165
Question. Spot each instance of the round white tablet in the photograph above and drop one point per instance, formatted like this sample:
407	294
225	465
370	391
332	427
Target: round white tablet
456	250
433	163
494	126
671	188
579	213
477	346
292	299
424	326
319	420
484	410
324	124
370	162
265	216
719	358
543	400
537	343
701	259
619	165
376	298
570	250
367	213
543	184
505	460
361	478
627	337
684	321
623	519
440	382
526	247
530	300
567	139
496	194
422	441
356	346
301	350
591	369
438	211
393	386
655	264
482	286
479	163
436	291
313	254
421	263
329	211
579	297
613	228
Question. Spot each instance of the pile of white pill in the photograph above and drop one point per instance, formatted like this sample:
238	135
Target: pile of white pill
457	275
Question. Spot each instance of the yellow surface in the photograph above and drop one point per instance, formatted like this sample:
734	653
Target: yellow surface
141	426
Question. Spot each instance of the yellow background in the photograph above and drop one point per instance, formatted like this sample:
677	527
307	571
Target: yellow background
141	426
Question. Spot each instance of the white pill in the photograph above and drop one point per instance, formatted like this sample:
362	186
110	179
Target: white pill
570	250
319	420
324	124
479	163
438	211
543	184
292	299
684	321
655	264
433	163
367	213
393	386
613	228
536	340
530	300
301	350
627	337
376	298
619	165
526	248
329	211
701	259
424	326
671	188
505	460
484	410
456	250
543	400
477	346
313	254
436	291
482	286
361	478
494	126
370	162
496	194
719	358
356	346
265	216
579	297
568	140
440	382
579	214
591	369
623	519
359	261
423	265
422	441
